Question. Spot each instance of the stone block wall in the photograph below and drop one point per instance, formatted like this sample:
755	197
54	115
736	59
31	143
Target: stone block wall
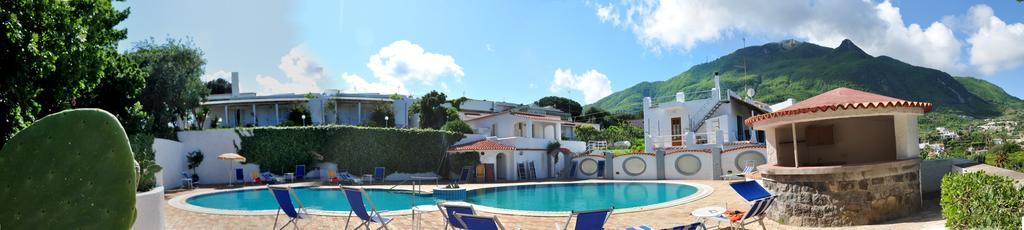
867	195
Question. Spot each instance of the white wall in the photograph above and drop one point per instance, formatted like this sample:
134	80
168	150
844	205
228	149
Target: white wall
171	157
706	171
729	162
213	143
649	173
149	208
579	172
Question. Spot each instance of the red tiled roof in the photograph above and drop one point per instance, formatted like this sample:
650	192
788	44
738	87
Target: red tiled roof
480	145
840	99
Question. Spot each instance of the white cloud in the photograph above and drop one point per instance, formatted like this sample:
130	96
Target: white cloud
383	86
607	14
533	86
489	48
301	70
592	84
399	63
215	75
877	28
407	61
995	45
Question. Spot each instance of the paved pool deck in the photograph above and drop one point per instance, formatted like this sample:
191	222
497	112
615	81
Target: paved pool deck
929	217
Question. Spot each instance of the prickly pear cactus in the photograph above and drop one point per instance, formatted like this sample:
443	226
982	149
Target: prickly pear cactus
69	170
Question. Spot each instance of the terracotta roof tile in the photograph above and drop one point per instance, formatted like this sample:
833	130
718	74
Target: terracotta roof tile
840	98
480	145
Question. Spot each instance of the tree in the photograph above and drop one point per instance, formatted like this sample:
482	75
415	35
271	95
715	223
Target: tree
173	88
564	104
457	126
219	86
298	116
118	93
378	115
52	53
599	116
587	133
432	114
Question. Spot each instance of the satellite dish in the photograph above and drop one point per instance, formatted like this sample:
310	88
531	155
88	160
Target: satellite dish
750	92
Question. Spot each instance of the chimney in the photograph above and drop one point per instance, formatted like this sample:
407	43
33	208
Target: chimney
234	84
718	89
647	102
681	97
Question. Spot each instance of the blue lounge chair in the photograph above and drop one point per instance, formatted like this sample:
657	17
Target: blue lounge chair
757	210
750	190
300	172
345	176
474	222
294	211
186	180
692	226
463	175
572	172
270	178
378	174
448	211
593	219
239	175
355	201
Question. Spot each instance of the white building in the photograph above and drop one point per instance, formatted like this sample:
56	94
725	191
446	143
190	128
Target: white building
702	134
329	107
510	136
946	133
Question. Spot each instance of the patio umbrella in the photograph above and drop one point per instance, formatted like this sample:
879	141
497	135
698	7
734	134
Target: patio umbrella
231	157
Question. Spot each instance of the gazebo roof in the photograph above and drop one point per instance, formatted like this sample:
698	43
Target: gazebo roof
841	99
480	145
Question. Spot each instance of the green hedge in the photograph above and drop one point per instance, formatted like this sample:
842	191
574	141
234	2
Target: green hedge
978	200
356	149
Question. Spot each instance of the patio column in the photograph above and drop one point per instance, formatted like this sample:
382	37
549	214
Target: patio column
277	114
254	121
558	131
359	113
528	131
337	117
796	160
225	116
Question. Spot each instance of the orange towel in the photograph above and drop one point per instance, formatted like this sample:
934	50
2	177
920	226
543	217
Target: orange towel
734	215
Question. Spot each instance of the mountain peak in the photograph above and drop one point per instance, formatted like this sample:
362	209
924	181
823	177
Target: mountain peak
847	46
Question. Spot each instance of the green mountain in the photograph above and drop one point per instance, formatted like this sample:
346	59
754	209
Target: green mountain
799	70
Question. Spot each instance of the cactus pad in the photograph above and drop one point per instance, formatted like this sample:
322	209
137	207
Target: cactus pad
72	169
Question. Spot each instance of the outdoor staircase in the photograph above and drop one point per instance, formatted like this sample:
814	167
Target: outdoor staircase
697	124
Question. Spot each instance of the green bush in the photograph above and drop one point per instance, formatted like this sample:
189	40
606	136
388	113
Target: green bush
356	149
978	200
457	126
142	147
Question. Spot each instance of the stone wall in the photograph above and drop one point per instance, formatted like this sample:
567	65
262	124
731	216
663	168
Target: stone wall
858	195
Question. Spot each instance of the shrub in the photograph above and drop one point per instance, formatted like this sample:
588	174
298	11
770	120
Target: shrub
142	148
978	200
356	149
457	126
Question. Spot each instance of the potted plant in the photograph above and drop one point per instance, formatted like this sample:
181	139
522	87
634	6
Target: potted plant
194	159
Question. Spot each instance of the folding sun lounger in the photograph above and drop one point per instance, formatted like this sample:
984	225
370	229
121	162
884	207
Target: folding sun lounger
474	222
294	212
449	210
355	200
593	219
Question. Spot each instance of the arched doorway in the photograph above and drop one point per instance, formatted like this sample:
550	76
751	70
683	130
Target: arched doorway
501	166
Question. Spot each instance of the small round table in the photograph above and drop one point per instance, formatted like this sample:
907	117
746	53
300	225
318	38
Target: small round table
416	210
707	212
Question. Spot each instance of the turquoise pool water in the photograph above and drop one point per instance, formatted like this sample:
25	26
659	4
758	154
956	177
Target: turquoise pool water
543	197
312	198
579	196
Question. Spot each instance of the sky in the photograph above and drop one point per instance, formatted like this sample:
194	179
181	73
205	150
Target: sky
584	50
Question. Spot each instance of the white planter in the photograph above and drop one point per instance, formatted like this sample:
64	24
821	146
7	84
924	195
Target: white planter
149	208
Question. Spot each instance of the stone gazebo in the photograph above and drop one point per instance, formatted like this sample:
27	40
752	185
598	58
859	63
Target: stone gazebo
842	158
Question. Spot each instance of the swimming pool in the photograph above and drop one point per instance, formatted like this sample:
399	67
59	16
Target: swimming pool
563	197
539	199
326	199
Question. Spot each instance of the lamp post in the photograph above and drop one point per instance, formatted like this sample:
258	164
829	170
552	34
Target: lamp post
303	119
386	121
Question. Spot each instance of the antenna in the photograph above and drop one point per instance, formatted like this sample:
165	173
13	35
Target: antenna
744	66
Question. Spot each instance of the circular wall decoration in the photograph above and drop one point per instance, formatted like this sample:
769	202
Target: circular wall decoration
634	166
688	164
588	167
752	156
